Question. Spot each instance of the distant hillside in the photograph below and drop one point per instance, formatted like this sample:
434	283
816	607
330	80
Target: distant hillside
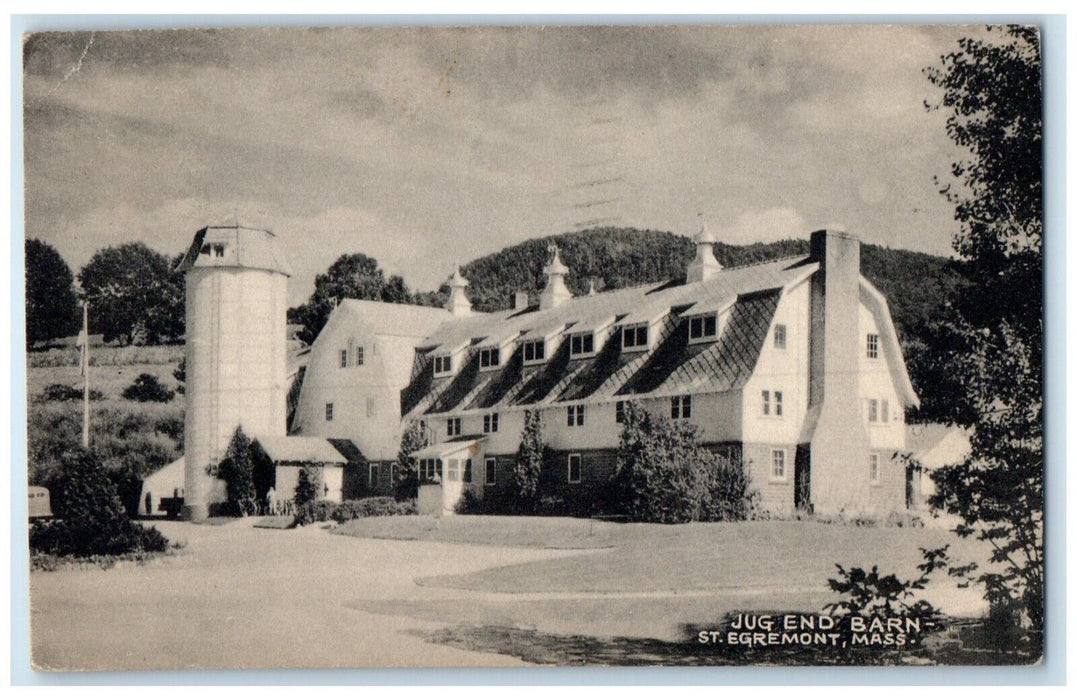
915	284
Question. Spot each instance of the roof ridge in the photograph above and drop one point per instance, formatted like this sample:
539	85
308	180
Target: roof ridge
768	261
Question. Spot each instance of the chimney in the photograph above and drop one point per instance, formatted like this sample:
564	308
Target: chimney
523	300
839	474
458	304
705	264
556	292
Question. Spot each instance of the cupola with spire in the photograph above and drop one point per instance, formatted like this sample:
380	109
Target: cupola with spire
555	292
705	264
458	304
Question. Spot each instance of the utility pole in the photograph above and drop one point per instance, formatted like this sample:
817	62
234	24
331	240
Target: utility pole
85	359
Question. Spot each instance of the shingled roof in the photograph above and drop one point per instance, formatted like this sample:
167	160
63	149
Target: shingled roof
671	366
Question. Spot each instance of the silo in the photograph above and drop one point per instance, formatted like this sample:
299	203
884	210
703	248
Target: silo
236	364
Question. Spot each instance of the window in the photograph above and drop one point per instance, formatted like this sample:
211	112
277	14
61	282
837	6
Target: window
489	357
703	327
467	471
635	336
777	403
329	411
442	364
582	344
371	407
452	427
491	471
779	336
873	345
344	358
773	404
534	351
575	464
372	475
873	410
885	414
359	356
429	469
777	465
619	415
680	407
873	467
575	416
489	423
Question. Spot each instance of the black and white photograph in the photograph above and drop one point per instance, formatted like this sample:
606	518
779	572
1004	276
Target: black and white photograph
487	346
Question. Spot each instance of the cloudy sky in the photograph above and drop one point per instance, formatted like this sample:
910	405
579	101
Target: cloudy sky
425	147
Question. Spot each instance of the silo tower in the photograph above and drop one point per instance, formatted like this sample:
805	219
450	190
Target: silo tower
237	292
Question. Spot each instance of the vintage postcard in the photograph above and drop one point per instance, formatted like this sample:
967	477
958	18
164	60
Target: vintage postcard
496	346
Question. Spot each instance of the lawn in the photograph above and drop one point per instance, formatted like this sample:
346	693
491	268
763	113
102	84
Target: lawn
783	557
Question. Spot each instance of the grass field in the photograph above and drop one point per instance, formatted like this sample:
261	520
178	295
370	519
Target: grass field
129	437
686	558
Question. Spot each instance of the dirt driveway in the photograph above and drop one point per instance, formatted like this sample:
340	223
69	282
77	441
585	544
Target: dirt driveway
239	597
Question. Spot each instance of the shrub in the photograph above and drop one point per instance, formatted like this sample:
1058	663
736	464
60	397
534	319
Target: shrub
532	455
469	503
237	472
147	387
306	487
324	511
406	475
90	518
64	392
665	476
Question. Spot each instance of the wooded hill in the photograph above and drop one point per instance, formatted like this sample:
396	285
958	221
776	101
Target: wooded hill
916	285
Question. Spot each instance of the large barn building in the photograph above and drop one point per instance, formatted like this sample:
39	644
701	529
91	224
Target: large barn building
792	365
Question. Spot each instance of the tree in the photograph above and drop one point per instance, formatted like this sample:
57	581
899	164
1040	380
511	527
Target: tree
51	305
237	472
532	455
134	294
664	474
306	487
406	477
90	516
354	276
992	90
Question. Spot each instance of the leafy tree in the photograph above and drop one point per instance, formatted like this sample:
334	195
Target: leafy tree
306	487
237	472
406	477
992	91
664	474
531	457
134	294
51	306
354	276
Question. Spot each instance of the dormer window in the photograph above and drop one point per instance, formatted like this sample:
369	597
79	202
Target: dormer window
534	351
582	344
489	357
442	365
636	336
702	328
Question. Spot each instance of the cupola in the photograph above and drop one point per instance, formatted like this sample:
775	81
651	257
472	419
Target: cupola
555	292
705	264
458	304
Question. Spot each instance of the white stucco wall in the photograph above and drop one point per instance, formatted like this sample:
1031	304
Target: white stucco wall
784	370
365	398
235	364
876	382
331	476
